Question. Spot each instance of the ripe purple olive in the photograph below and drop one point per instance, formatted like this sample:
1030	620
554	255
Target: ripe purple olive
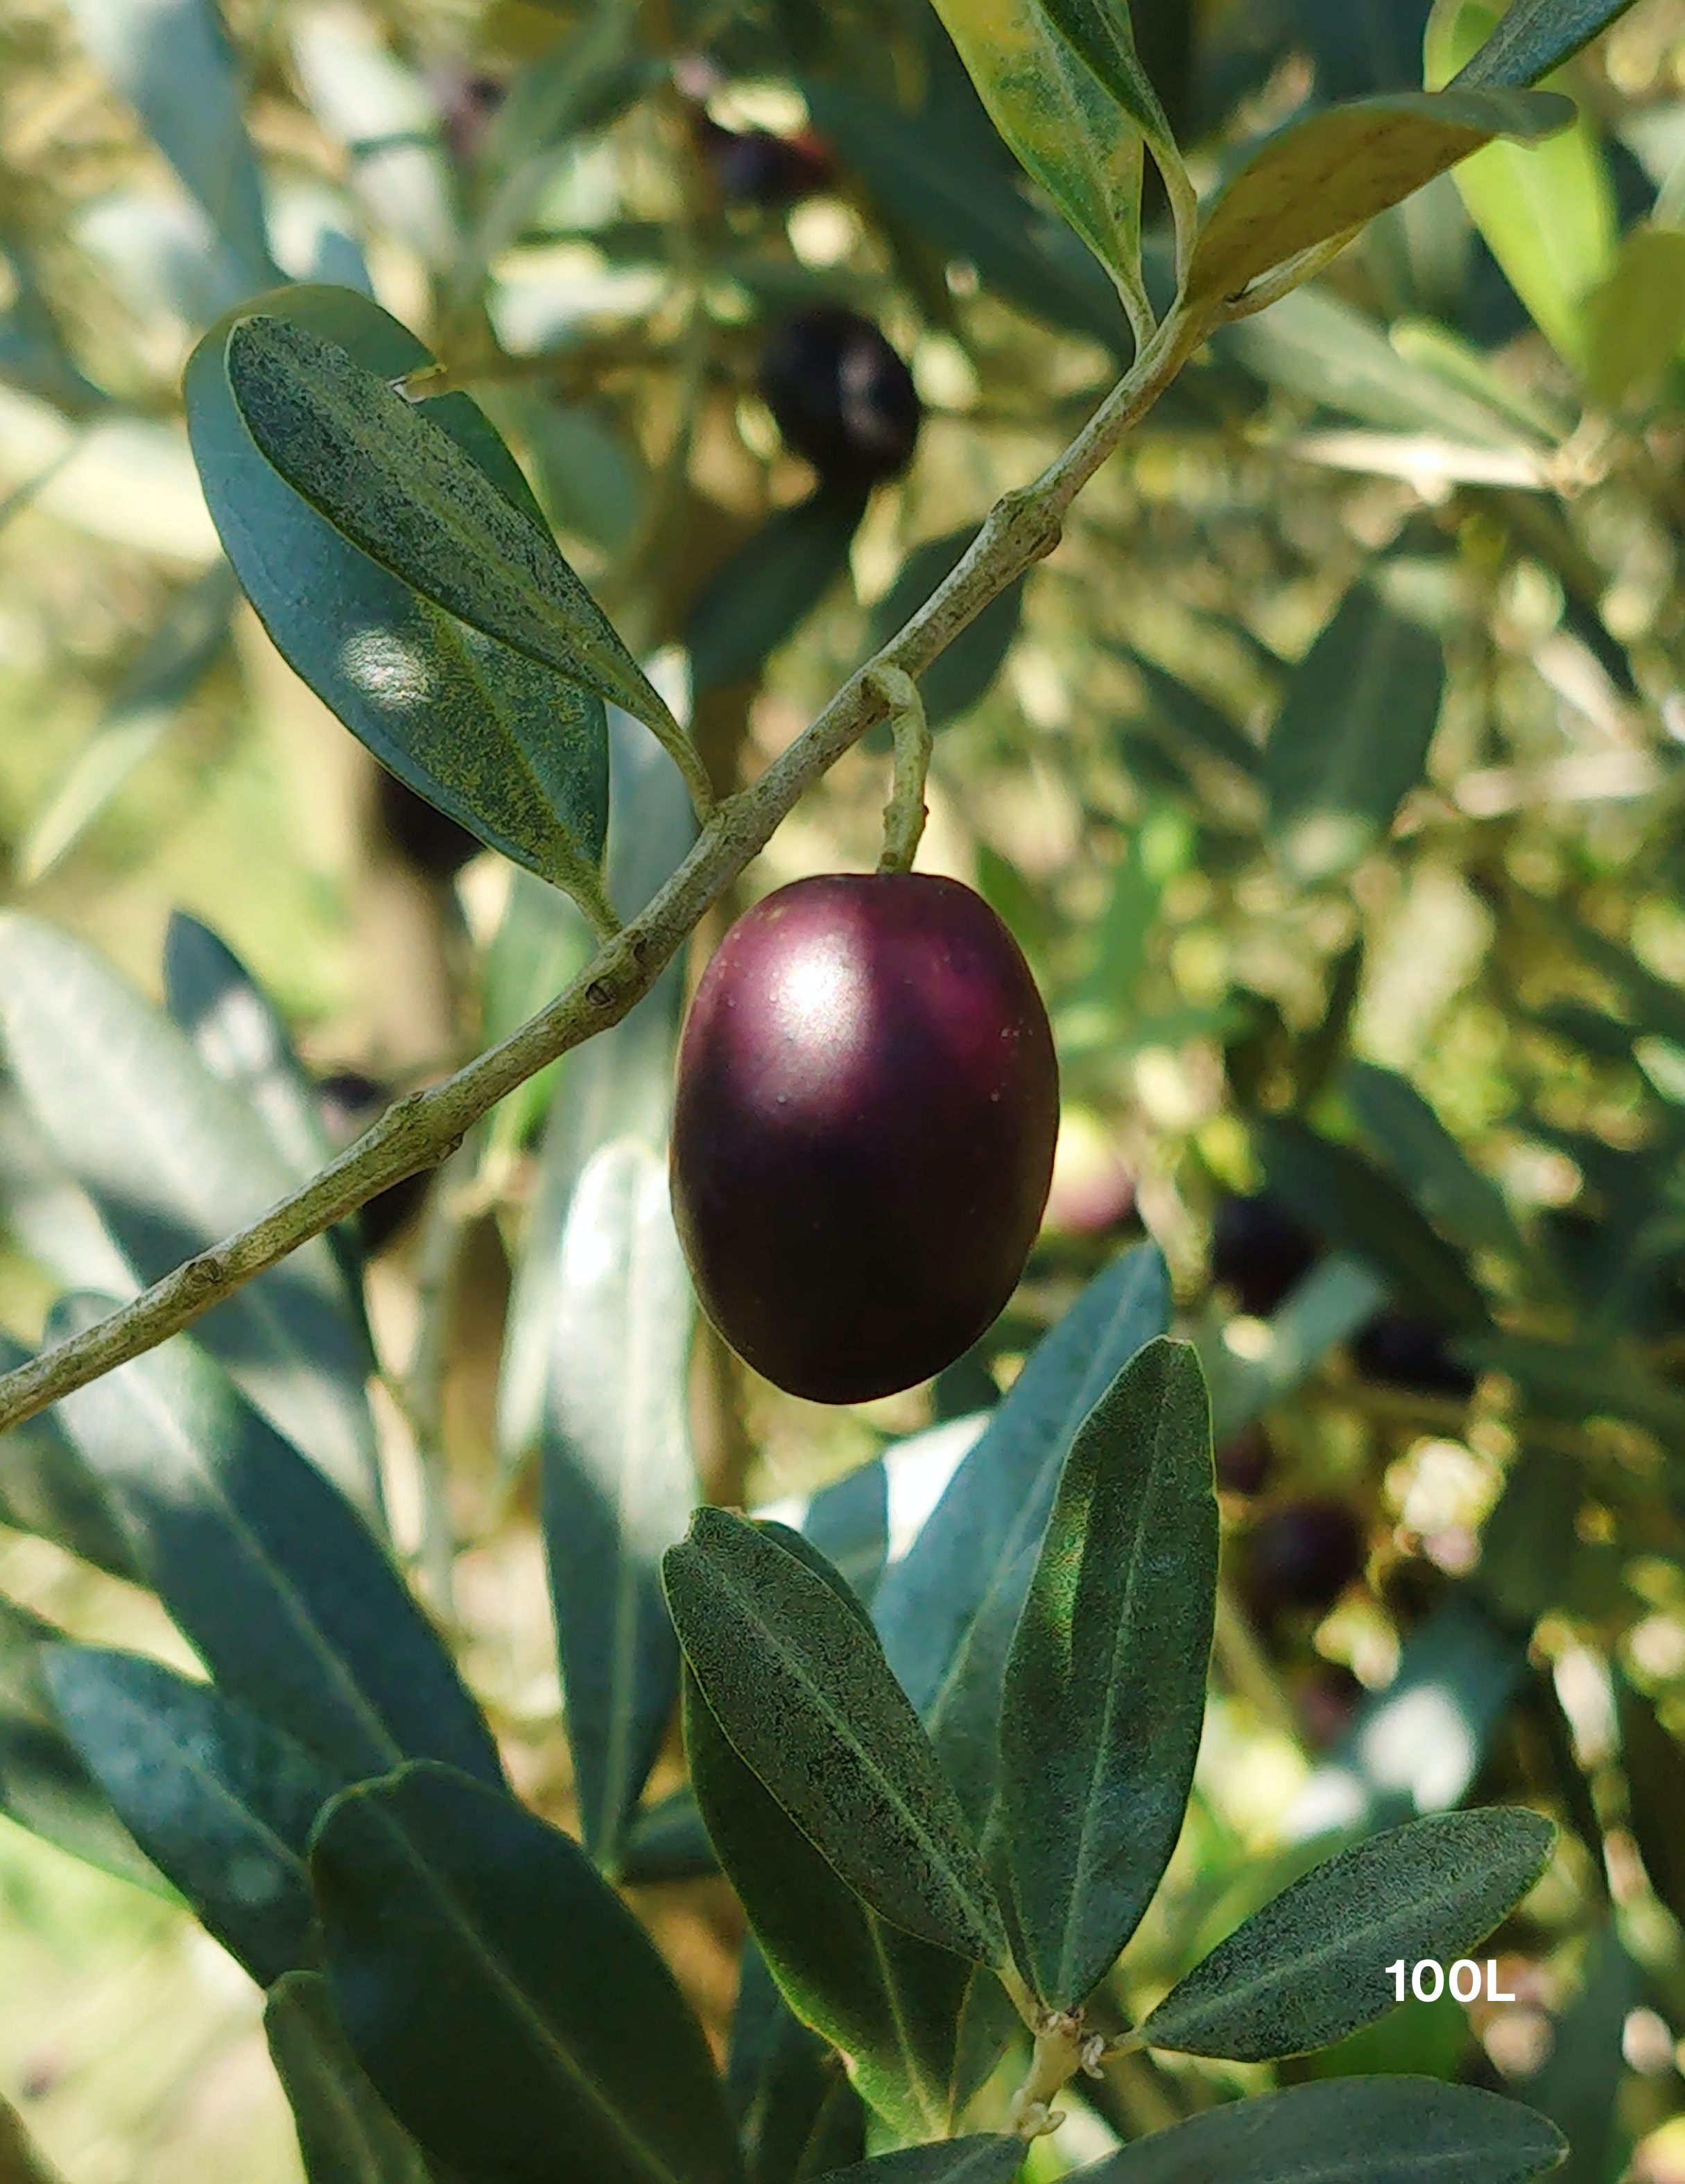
864	1128
1302	1555
841	396
1399	1350
1260	1250
752	166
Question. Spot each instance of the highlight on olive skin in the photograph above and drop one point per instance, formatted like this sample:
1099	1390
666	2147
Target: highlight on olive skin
864	1123
840	395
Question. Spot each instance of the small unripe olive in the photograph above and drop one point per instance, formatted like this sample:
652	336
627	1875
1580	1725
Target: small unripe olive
864	1129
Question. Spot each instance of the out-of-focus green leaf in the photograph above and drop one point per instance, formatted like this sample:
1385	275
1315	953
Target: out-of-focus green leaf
268	1571
958	677
795	1679
1580	2085
221	1803
1338	168
46	1489
1655	1768
1635	317
541	942
346	2135
1336	1297
590	75
45	1784
666	1841
985	2158
376	107
1312	1965
618	1478
761	593
490	736
848	1522
797	2115
173	60
241	1038
1581	1380
1415	1746
176	1161
188	641
1533	37
1183	715
1360	2130
895	2006
1357	1206
502	1998
924	168
236	1028
1105	1687
590	476
1352	737
1059	117
1439	1175
1314	344
1546	212
619	1085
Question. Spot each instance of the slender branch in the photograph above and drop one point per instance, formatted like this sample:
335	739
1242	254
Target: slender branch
419	1131
1291	274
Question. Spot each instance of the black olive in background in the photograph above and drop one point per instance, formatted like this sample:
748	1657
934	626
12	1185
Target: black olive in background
1302	1555
423	836
1260	1250
1400	1351
350	1103
841	396
752	166
1245	1461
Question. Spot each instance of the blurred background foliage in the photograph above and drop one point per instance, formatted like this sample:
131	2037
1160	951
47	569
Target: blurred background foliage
1330	776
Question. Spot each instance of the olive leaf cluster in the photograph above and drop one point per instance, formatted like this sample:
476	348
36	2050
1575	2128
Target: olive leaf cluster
944	1787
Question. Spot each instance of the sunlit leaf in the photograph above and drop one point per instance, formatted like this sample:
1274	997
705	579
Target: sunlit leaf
1312	1965
1336	169
1105	1688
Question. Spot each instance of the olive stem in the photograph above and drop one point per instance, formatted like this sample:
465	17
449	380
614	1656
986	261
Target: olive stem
418	1131
1060	2047
905	814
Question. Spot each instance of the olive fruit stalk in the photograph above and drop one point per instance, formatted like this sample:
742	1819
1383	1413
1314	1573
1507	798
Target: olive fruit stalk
863	1130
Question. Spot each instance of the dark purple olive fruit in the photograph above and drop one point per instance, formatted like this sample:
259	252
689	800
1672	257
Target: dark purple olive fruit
1400	1351
1245	1461
423	834
350	1103
1260	1250
867	1104
752	166
840	394
1304	1555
